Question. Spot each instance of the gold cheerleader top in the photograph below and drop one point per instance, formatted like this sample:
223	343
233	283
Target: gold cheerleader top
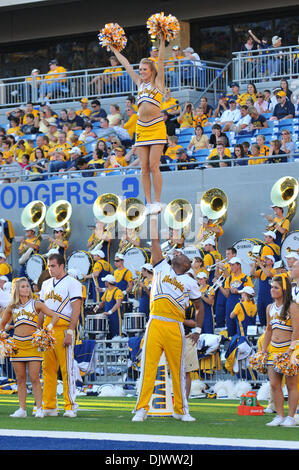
25	314
276	321
146	92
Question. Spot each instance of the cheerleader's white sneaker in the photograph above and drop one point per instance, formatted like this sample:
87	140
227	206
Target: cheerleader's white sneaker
185	417
39	413
288	422
277	421
140	415
20	413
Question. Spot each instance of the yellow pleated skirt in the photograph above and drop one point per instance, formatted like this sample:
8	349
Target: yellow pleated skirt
26	351
151	132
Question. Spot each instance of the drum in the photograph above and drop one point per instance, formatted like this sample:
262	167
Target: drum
35	266
134	322
291	241
191	251
96	323
127	306
243	246
80	261
134	258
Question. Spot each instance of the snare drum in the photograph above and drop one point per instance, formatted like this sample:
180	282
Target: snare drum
134	322
81	261
35	266
291	241
96	323
134	258
243	246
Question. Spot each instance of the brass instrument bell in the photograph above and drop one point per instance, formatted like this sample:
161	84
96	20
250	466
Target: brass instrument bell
214	205
58	215
178	213
33	215
105	207
131	213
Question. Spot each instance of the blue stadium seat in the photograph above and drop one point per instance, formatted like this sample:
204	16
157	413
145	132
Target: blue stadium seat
186	131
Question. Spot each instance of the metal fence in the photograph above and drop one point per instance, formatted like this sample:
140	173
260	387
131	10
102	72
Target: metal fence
94	83
265	64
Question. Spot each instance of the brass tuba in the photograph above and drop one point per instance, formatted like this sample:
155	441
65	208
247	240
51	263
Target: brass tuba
131	213
33	216
58	215
178	214
284	193
104	210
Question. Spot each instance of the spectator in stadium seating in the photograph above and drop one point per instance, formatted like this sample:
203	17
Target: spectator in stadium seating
170	104
276	155
31	126
183	160
172	147
21	148
199	140
239	155
40	162
117	159
273	99
255	155
62	146
58	161
275	62
258	121
172	71
267	98
15	128
131	101
186	117
42	141
235	94
102	145
287	145
98	160
200	117
170	123
284	85
29	109
84	112
54	81
105	131
130	124
82	166
218	154
74	154
107	81
261	141
132	157
32	84
191	64
261	105
24	163
63	118
16	113
115	116
97	112
251	93
87	134
242	126
230	116
249	44
221	106
76	121
216	134
53	132
207	108
284	108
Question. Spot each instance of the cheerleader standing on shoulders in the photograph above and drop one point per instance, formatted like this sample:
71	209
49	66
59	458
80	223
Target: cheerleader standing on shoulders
27	315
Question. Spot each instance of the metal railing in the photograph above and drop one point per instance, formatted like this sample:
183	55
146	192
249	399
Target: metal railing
266	64
94	83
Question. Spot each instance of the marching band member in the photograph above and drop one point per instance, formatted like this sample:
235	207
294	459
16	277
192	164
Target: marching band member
30	241
245	311
100	269
63	294
58	242
197	266
208	298
111	303
123	276
5	268
281	336
223	269
130	237
211	257
150	128
176	238
291	258
144	288
172	288
235	282
191	322
209	226
263	271
270	247
279	223
101	233
26	314
81	322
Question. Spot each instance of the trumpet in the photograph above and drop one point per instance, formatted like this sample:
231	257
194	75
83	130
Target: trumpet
216	284
292	250
136	282
215	265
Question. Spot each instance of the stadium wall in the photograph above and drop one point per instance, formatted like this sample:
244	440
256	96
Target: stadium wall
247	188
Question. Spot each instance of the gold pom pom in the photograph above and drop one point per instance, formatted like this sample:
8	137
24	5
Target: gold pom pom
43	339
112	35
7	345
168	25
284	365
259	362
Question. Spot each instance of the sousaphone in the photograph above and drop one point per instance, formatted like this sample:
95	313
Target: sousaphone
58	215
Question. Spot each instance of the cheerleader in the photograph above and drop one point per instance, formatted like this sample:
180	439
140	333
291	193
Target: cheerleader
27	315
245	311
151	135
281	336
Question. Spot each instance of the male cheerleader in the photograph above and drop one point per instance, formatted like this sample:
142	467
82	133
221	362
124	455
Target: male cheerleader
63	294
172	288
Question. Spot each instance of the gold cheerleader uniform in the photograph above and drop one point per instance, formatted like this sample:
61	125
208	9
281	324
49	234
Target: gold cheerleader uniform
26	351
154	131
277	323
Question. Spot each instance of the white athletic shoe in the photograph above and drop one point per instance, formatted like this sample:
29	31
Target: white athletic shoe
39	413
140	415
156	208
20	413
277	421
70	414
289	421
52	412
269	410
185	417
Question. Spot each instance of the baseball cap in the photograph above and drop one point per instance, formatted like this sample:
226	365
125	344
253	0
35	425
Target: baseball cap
52	251
180	151
276	90
189	49
52	122
275	39
75	150
34	70
234	260
153	48
234	84
291	254
270	257
147	266
109	278
4	278
119	256
53	61
175	48
58	229
2	255
202	275
248	290
231	100
84	100
98	252
281	93
270	234
209	241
